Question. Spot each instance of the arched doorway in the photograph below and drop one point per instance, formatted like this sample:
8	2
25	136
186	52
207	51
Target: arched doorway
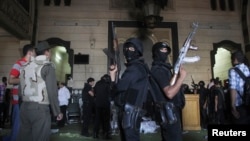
59	45
221	58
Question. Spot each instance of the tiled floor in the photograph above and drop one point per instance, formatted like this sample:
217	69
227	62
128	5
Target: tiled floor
71	132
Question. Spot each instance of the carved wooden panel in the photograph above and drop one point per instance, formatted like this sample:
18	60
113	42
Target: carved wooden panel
15	19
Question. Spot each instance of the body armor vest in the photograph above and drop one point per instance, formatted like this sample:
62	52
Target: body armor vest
32	84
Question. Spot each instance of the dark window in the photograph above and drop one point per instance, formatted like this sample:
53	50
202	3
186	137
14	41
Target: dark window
81	59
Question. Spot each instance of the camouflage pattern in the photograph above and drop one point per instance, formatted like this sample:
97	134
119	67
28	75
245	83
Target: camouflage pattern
33	87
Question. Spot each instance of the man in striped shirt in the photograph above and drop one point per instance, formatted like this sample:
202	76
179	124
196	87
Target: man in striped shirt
236	83
28	52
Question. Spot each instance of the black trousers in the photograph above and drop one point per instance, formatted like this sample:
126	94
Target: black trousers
172	132
220	117
87	110
2	106
244	115
203	117
102	118
62	122
127	134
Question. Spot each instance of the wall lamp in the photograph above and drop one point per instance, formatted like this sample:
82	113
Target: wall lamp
151	10
92	43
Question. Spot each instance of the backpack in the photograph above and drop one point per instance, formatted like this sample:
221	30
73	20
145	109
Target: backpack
246	95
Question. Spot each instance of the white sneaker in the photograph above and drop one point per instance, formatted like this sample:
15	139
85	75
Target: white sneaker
184	132
53	131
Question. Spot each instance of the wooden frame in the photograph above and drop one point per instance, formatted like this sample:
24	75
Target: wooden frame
171	36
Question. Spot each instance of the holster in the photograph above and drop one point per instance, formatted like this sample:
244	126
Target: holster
132	117
167	113
119	100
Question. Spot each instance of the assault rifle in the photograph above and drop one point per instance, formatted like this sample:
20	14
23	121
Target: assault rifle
194	85
114	54
182	55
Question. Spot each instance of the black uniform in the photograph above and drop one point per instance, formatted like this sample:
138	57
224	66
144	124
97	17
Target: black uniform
133	81
203	97
87	109
163	75
219	117
161	72
102	106
132	91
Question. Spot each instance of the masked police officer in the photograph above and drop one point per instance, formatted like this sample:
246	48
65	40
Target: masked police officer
161	71
131	91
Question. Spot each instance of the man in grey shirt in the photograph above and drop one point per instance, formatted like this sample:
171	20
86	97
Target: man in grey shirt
38	91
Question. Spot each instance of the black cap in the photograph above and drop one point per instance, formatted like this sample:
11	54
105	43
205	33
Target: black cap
44	45
159	45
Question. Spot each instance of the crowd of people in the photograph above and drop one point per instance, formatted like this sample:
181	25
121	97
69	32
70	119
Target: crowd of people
221	102
36	96
214	102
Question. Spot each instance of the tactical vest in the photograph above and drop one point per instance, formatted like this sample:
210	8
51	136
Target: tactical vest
32	84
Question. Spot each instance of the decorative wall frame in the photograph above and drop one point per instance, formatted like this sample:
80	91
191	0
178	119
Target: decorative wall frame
127	29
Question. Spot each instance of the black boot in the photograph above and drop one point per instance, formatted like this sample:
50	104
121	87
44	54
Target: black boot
107	136
95	135
85	134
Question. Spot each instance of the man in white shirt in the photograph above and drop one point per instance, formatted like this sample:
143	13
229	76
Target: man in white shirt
63	97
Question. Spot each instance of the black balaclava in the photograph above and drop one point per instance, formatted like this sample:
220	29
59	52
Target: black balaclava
201	84
132	55
157	54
